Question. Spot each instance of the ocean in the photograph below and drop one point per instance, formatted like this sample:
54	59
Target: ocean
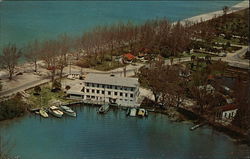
24	21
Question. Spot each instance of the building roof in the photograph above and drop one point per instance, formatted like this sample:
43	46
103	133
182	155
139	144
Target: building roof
111	80
228	107
129	56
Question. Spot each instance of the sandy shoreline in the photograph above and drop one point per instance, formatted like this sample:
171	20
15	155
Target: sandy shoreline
208	16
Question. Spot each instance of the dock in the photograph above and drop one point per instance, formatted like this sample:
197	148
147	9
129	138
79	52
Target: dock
197	126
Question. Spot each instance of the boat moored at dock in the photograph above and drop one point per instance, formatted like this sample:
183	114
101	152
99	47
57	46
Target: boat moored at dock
104	108
55	111
68	111
142	112
43	113
132	112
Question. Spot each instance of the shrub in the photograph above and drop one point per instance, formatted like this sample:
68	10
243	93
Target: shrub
37	90
12	108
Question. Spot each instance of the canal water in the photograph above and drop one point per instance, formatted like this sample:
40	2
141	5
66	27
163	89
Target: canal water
114	135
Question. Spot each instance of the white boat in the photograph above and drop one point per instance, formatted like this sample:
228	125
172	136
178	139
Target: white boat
142	112
55	111
68	111
132	112
104	108
43	113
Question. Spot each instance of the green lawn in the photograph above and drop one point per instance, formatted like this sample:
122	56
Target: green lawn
45	96
108	65
195	54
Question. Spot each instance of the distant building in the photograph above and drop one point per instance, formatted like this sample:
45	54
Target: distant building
128	58
122	91
226	112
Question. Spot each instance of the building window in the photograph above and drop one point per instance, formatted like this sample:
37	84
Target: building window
93	97
109	93
97	91
87	84
126	94
121	93
115	93
115	87
93	91
132	89
131	95
97	85
120	88
102	92
125	88
103	86
88	96
87	90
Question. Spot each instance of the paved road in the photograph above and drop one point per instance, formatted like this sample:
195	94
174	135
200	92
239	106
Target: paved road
234	59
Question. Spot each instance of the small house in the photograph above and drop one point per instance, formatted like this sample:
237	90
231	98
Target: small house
226	112
128	58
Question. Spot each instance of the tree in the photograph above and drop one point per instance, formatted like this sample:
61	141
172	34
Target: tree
33	53
56	86
63	46
1	86
67	87
241	93
225	10
49	56
37	90
9	58
153	79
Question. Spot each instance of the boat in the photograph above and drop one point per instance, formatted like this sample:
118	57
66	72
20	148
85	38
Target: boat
197	126
104	108
142	112
132	112
43	113
68	111
55	111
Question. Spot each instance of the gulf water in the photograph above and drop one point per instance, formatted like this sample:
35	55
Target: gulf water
114	135
24	21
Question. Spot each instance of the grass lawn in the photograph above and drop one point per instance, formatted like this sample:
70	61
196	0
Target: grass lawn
195	54
108	65
220	39
45	96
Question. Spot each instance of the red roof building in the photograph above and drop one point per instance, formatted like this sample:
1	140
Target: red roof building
129	56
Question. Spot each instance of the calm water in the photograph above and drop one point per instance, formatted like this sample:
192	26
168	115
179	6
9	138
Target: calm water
114	135
23	21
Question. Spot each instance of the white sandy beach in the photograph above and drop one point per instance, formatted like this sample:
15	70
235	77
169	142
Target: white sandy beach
208	16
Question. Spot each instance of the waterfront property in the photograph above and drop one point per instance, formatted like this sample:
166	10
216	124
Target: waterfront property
227	112
102	88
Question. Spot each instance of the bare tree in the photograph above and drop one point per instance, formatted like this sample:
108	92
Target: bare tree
33	53
9	58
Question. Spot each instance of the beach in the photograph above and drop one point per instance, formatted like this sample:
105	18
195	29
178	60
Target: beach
208	16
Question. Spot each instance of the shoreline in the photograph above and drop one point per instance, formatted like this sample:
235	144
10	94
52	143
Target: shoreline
208	16
195	19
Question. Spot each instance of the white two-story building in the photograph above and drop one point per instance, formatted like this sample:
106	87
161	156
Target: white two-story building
122	91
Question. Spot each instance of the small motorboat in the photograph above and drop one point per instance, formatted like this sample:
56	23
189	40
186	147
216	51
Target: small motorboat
142	112
68	111
104	108
55	111
43	113
132	112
